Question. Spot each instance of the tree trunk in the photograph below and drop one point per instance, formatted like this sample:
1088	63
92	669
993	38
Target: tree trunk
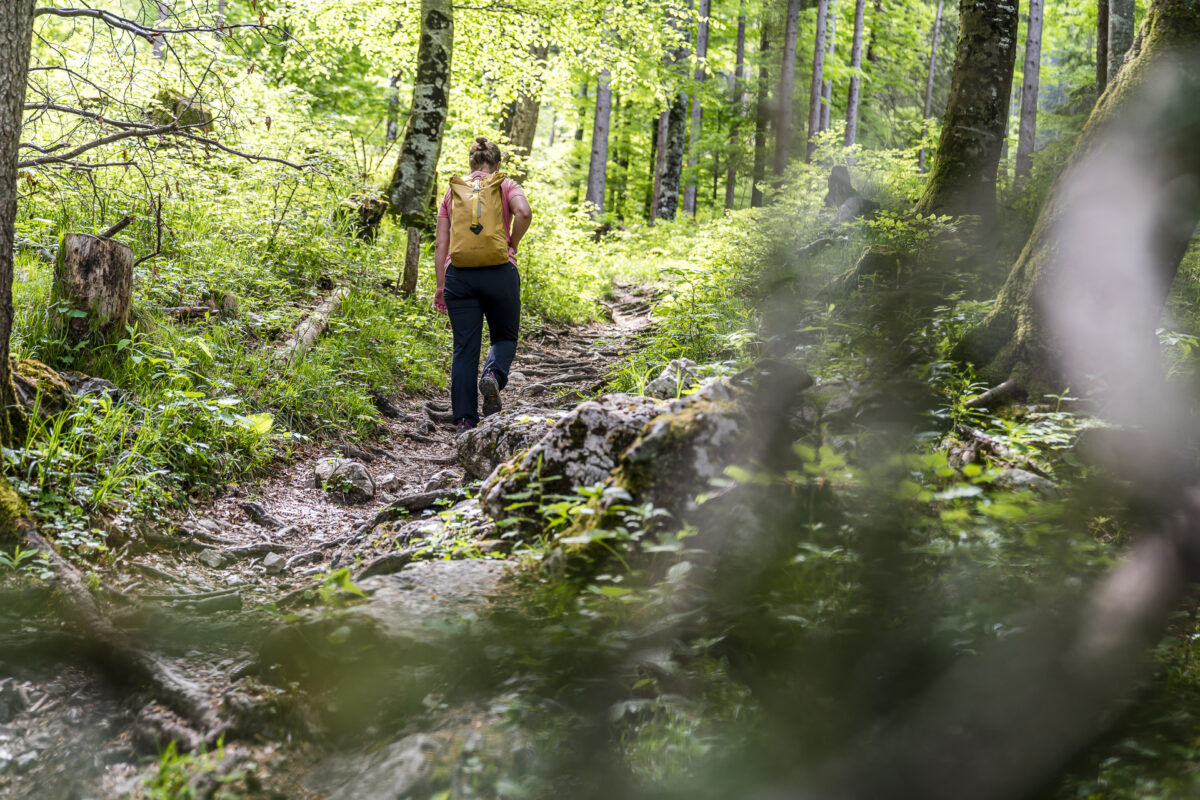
814	96
658	162
575	167
963	180
416	169
827	91
670	152
762	117
652	183
520	125
412	259
736	91
220	17
160	48
624	146
598	164
1120	34
937	30
1101	47
787	87
856	51
689	192
92	289
16	35
1124	178
393	111
1027	138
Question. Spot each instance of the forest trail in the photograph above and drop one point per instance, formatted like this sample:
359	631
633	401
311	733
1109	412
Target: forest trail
194	587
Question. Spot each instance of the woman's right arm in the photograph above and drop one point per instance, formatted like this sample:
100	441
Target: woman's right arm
440	247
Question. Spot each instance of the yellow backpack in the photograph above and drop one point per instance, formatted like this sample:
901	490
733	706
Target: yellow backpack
477	235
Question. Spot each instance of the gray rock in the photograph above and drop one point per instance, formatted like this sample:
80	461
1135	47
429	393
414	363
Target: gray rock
581	449
441	480
406	618
388	483
98	386
500	437
24	761
6	760
213	559
676	378
273	563
1020	480
345	477
399	772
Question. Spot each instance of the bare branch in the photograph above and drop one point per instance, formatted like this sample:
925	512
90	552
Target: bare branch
149	34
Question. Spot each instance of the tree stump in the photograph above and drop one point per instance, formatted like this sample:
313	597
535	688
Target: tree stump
93	286
361	213
412	256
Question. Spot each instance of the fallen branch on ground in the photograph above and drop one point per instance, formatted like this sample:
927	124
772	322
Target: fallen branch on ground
312	327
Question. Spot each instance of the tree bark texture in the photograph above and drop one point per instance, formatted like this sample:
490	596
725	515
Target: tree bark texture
16	35
762	118
1120	34
658	160
93	277
598	164
736	92
963	179
1027	137
818	74
697	115
856	52
412	259
670	151
1101	46
933	48
393	109
160	49
520	124
1127	176
416	169
787	87
827	90
652	184
624	147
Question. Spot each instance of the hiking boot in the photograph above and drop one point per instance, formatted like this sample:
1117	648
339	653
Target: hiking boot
465	425
489	387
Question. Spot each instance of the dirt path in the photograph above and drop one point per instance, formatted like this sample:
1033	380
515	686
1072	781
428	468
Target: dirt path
182	582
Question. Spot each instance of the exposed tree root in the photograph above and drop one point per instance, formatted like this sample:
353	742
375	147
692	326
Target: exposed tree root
998	449
112	651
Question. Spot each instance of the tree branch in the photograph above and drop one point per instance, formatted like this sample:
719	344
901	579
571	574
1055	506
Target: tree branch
129	26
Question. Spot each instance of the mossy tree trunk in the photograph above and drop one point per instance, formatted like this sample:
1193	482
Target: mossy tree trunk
16	36
1145	127
416	169
1120	35
963	179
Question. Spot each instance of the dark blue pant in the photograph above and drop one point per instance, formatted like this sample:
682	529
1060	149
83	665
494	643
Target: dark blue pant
471	296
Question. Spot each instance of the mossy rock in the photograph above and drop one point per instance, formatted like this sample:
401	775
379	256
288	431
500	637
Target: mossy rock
38	387
171	106
12	509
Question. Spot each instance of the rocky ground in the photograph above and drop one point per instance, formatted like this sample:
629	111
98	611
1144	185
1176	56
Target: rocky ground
208	591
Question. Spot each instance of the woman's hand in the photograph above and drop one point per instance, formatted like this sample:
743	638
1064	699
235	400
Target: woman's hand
439	301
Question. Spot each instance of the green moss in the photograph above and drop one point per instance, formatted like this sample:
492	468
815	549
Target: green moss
12	511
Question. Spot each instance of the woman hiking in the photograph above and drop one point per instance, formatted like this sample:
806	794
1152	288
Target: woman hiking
480	224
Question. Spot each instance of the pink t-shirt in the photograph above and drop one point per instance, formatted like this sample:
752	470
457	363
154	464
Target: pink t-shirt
508	189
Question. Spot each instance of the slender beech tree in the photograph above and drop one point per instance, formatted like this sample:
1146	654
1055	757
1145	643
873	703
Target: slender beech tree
856	52
1101	46
416	168
737	89
672	132
933	48
963	179
16	36
598	164
521	117
762	118
220	16
787	87
827	91
652	186
1129	132
624	146
393	109
689	192
1120	34
814	96
160	44
1027	137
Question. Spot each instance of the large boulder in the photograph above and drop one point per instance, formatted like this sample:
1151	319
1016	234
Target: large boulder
581	449
676	378
502	436
39	387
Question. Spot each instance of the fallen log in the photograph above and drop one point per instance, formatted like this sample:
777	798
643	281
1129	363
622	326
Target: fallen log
189	313
311	328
